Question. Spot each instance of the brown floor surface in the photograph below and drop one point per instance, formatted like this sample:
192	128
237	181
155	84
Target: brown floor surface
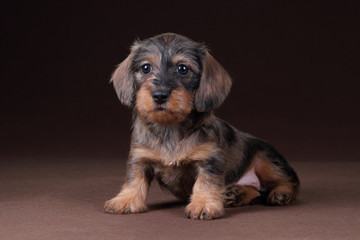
63	200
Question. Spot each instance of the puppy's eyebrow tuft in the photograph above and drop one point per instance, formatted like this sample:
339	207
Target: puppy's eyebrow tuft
145	54
184	59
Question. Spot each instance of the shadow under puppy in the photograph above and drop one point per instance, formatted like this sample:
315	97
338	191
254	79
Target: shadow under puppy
174	84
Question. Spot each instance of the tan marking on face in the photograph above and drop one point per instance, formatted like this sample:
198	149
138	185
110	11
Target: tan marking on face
179	105
175	110
144	101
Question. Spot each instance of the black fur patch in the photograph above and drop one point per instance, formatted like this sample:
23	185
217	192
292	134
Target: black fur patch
258	145
214	166
228	133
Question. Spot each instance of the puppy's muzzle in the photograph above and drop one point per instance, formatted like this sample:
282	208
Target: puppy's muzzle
160	96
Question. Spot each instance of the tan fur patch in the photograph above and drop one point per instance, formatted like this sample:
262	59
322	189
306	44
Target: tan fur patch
131	198
249	194
182	154
206	200
266	172
282	190
144	101
238	195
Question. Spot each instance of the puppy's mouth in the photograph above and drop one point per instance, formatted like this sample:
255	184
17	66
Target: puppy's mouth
161	107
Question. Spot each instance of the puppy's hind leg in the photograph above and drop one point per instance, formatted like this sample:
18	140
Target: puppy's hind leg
277	177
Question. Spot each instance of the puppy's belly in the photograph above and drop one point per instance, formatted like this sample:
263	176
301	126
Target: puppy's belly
250	178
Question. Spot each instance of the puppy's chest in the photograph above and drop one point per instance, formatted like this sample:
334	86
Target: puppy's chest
176	154
175	175
172	153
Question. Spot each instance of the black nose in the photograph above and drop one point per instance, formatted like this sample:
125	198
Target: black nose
160	96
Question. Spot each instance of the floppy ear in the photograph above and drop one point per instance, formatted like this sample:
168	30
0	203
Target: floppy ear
215	84
123	81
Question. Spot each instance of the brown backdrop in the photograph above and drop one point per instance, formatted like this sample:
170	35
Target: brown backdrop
64	136
295	68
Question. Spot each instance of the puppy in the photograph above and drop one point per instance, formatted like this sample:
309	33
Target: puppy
173	85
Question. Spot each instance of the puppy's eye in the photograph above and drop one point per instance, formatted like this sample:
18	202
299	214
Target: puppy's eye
182	69
146	68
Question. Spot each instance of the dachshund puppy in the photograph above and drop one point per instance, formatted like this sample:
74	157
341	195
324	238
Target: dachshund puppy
173	85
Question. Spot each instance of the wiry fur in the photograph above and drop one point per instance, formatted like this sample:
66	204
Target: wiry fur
191	153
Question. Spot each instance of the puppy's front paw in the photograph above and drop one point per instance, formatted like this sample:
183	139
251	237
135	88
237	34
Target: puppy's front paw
122	205
205	210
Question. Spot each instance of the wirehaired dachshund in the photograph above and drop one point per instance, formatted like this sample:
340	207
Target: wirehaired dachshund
173	85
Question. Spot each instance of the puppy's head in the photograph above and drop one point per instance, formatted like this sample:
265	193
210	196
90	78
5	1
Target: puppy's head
168	76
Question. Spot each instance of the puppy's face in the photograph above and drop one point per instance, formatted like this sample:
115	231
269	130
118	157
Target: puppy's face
169	76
